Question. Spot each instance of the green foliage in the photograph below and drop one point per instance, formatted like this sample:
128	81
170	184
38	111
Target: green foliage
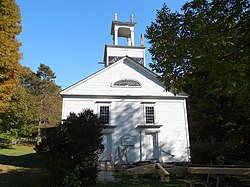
35	102
10	27
222	119
204	51
209	39
42	87
208	152
48	98
45	73
83	173
73	148
20	115
5	139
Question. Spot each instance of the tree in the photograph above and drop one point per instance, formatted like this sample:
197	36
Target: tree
204	51
19	118
73	148
10	27
47	91
208	36
35	102
42	85
45	73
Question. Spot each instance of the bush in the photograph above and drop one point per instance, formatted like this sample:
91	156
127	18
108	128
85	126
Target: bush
209	152
73	148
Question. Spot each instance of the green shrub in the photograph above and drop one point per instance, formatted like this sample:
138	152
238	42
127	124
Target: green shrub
73	148
209	152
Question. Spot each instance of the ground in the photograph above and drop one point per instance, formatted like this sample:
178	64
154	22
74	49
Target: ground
21	166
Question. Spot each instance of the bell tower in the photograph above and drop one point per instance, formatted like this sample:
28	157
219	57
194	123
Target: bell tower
114	52
123	29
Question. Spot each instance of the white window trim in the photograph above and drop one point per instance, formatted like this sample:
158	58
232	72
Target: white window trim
144	113
99	104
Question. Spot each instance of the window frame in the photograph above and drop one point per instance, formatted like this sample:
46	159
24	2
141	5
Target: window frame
114	84
145	105
109	114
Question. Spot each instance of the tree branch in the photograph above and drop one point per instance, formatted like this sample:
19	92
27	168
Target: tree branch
230	54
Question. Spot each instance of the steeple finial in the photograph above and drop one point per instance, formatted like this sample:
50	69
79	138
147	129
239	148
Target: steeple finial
131	18
116	16
142	39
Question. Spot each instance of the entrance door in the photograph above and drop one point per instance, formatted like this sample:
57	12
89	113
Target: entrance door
153	146
107	142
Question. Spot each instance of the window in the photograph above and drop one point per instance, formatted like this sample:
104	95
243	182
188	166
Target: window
127	83
150	114
104	114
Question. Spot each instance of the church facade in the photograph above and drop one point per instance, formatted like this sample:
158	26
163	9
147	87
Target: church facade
145	122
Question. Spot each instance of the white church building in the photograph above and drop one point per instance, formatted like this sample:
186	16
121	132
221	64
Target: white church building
145	122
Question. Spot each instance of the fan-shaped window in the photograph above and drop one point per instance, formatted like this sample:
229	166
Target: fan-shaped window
127	83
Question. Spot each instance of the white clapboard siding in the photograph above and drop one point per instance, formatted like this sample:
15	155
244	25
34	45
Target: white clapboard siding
101	82
127	111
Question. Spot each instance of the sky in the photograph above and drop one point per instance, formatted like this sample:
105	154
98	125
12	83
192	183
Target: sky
69	36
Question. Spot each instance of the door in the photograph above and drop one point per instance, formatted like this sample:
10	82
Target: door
107	142
152	146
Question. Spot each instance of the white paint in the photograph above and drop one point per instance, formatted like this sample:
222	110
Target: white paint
127	114
125	51
107	142
100	83
123	30
166	140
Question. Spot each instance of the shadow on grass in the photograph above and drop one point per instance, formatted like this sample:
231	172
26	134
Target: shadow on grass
30	169
32	160
5	146
26	178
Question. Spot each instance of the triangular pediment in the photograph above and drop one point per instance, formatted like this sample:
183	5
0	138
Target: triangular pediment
126	77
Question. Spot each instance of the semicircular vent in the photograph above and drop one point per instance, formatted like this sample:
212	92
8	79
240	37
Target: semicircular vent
127	82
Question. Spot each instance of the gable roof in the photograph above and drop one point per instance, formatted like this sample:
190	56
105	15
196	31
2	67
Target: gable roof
125	60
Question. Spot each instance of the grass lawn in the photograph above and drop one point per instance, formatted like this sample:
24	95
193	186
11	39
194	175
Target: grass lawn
21	166
17	150
23	156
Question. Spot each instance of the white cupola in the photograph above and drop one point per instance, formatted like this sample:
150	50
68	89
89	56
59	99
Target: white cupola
114	52
123	29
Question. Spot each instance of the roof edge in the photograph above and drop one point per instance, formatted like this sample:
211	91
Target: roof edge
90	76
124	96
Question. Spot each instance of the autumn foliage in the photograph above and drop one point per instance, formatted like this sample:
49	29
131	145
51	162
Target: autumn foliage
10	27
